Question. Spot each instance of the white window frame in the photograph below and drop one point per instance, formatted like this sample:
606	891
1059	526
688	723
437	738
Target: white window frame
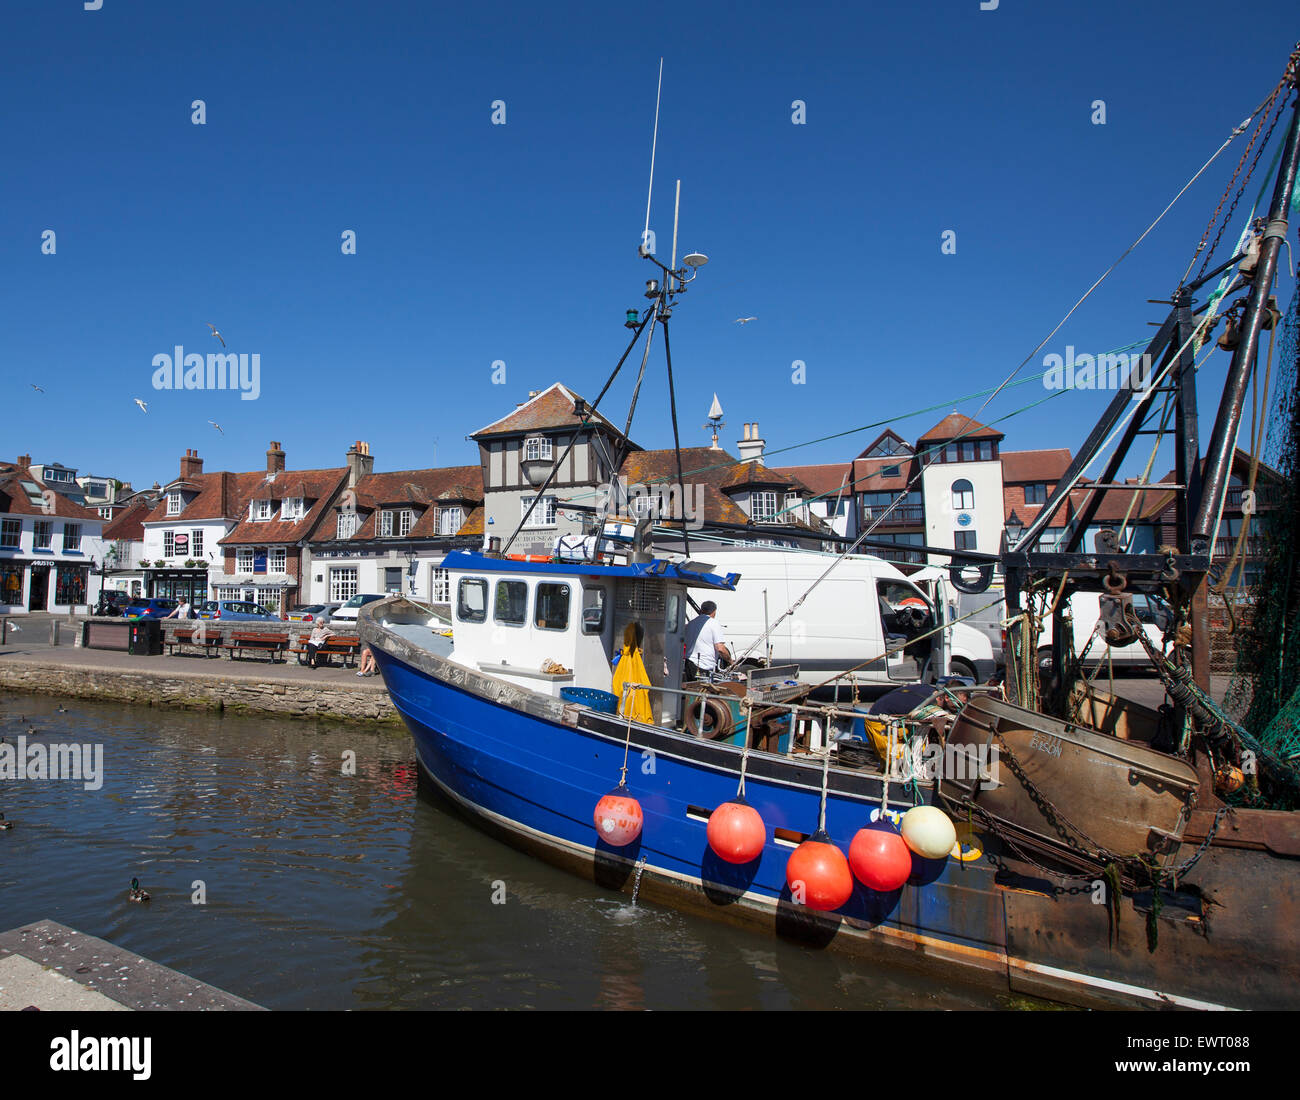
347	525
343	582
277	559
405	521
71	537
175	506
262	510
106	512
544	515
196	542
292	508
757	499
244	559
386	524
11	532
48	543
169	544
450	520
439	585
963	500
537	448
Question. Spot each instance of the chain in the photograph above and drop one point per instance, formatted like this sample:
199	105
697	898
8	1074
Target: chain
1263	112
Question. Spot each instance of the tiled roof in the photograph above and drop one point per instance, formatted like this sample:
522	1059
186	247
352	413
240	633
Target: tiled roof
219	494
823	481
745	474
128	524
954	425
423	490
550	409
868	476
316	487
700	466
1021	466
15	501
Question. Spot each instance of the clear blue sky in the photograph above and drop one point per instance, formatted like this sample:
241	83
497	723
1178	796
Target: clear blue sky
479	243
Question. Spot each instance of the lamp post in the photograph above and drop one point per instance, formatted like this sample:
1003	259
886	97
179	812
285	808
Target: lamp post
1014	529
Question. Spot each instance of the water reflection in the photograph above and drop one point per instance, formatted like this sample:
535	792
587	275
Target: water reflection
330	890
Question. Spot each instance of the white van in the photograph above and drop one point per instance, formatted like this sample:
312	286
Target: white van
1085	611
863	607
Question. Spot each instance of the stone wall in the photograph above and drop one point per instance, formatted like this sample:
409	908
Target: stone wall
363	702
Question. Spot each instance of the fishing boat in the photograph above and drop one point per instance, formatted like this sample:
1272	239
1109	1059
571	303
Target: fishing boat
1044	838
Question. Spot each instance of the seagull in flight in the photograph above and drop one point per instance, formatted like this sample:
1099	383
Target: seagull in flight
217	426
217	335
36	387
143	406
743	320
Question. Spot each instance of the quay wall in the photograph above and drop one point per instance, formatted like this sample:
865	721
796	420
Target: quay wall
366	702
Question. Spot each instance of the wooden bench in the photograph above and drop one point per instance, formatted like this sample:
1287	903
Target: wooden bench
211	643
346	645
264	643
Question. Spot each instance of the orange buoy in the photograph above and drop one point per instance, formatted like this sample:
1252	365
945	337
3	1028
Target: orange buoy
618	818
818	874
880	858
736	832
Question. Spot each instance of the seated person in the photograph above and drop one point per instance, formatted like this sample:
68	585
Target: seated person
320	634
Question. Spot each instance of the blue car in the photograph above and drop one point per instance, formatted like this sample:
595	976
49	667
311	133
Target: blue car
237	611
149	608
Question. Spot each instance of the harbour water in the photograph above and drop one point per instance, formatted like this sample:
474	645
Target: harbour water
327	890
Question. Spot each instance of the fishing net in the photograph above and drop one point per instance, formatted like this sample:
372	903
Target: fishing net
1265	689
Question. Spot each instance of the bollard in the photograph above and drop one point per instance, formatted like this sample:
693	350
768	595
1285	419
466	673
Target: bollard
4	631
54	632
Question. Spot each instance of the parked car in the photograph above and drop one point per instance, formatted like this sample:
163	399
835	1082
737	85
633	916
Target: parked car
237	611
314	613
149	607
348	612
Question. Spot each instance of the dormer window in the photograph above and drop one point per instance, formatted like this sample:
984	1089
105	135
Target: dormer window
450	520
347	525
174	503
261	509
762	507
538	448
396	523
292	508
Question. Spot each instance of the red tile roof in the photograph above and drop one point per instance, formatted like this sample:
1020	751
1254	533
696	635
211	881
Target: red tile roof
422	490
15	501
954	425
822	481
128	525
550	409
316	488
1032	466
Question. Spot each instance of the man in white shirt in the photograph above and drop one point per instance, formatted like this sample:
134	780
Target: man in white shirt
181	611
705	643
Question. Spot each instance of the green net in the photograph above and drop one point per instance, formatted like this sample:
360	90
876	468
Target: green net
1266	682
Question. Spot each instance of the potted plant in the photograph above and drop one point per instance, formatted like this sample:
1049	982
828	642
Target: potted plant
190	563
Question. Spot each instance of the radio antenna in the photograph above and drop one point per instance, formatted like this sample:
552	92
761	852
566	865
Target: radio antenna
654	140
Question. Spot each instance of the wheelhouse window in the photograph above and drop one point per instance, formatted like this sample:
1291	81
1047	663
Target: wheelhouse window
762	506
42	534
511	605
72	541
553	606
471	600
593	610
543	515
537	448
963	495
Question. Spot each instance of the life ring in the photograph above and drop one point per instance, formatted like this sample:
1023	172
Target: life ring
717	718
968	846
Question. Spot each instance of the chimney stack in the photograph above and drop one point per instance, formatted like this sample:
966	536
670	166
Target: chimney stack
191	464
274	459
24	460
360	463
751	447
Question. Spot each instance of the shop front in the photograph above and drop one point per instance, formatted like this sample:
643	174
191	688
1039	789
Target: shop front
12	578
177	584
